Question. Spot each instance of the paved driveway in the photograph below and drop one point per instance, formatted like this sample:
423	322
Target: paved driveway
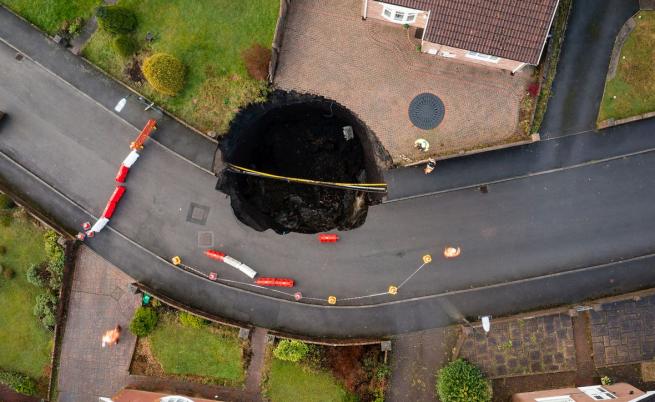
99	300
374	69
580	80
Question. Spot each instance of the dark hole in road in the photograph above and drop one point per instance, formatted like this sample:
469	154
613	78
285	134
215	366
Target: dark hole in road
299	136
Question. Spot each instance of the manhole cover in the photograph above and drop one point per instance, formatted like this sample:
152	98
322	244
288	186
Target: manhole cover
426	111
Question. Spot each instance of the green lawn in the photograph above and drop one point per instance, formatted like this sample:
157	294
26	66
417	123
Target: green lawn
205	352
209	37
24	344
49	14
633	85
290	382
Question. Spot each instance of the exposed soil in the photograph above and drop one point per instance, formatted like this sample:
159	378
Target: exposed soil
299	137
630	373
356	367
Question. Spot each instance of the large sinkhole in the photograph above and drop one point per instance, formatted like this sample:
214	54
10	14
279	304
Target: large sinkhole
298	136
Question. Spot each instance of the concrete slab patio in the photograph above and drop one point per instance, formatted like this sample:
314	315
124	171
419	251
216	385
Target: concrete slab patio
380	72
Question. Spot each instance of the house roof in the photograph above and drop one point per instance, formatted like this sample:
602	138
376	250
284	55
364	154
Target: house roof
511	29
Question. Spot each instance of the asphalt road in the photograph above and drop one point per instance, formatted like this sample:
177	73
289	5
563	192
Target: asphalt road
554	236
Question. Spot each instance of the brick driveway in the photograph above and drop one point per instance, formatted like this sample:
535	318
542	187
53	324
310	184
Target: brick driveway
523	346
99	300
373	68
624	332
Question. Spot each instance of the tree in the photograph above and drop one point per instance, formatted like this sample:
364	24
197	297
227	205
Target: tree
165	73
461	381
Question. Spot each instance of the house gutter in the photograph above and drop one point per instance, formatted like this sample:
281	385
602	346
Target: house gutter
546	37
427	22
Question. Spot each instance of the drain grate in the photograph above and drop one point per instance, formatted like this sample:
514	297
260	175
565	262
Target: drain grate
19	56
205	239
426	111
197	213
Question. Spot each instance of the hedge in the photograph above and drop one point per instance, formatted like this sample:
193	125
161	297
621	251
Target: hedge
190	321
18	382
461	381
116	19
144	321
165	73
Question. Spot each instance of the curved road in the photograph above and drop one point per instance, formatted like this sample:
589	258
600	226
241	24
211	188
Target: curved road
571	219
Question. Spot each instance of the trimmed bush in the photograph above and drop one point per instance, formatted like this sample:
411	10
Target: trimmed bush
256	59
124	45
37	275
45	308
55	254
144	321
165	73
190	321
461	381
291	350
116	19
18	382
6	202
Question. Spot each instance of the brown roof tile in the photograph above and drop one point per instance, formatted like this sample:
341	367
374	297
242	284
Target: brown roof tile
511	29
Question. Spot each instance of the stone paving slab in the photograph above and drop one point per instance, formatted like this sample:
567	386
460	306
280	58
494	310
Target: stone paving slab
523	346
624	332
373	68
99	300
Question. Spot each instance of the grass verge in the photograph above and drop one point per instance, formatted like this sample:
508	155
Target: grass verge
209	37
558	30
50	14
24	344
632	90
210	352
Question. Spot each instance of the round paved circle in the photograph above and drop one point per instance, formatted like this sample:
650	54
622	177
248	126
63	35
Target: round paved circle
426	111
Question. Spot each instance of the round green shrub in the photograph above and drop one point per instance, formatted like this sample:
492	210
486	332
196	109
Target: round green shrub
461	381
6	202
190	321
124	45
164	72
290	350
144	321
18	382
116	19
37	275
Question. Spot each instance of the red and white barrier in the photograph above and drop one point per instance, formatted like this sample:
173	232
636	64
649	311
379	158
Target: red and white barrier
277	282
218	256
121	176
99	225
